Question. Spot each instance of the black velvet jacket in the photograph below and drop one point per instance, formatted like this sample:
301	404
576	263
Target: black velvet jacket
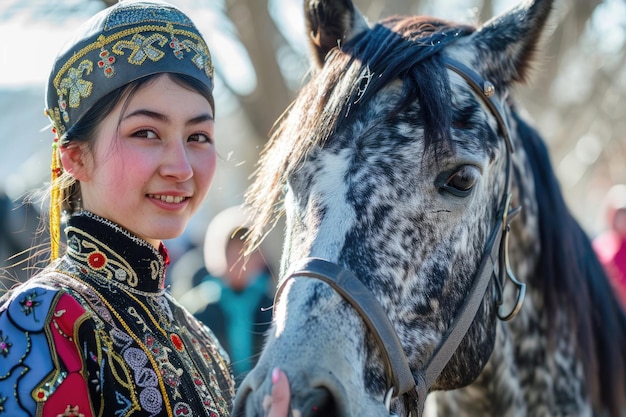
96	333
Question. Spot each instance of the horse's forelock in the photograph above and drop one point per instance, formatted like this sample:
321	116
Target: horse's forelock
409	49
406	48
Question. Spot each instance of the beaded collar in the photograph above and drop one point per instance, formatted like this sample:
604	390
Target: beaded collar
103	250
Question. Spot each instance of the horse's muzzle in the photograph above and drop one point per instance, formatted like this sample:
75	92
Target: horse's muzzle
316	395
313	402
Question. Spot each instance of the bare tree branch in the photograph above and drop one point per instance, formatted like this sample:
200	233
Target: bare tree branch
261	38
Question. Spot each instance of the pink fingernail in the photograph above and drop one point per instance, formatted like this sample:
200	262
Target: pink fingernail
275	375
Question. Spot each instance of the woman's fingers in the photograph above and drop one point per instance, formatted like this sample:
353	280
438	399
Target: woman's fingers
281	394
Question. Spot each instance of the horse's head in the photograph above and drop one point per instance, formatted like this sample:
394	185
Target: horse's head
398	163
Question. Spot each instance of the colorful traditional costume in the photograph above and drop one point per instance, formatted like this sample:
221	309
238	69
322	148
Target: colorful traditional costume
97	334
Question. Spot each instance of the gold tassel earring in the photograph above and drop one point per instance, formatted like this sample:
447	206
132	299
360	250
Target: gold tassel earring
55	201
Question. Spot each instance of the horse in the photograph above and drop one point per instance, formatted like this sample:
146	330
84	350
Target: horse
427	245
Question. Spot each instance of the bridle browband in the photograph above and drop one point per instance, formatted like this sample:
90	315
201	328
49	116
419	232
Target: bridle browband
414	387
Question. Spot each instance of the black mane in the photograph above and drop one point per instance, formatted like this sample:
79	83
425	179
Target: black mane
408	49
571	277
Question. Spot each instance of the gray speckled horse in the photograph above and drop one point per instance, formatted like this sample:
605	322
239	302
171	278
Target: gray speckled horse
402	166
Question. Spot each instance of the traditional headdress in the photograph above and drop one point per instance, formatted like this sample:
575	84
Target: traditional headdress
121	44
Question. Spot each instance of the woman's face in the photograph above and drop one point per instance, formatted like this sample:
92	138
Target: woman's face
153	164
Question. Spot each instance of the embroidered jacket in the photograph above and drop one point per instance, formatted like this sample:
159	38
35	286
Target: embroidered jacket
96	334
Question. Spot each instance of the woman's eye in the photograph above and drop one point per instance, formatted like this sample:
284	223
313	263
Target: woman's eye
200	137
148	134
461	182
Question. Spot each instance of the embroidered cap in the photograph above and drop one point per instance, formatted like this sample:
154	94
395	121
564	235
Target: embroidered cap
123	43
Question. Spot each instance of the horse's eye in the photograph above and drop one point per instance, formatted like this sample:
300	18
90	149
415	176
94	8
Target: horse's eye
460	183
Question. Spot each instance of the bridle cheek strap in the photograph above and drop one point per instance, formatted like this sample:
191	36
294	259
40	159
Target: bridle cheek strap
485	91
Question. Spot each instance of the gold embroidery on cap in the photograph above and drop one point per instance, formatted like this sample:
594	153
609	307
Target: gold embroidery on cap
142	48
75	84
106	40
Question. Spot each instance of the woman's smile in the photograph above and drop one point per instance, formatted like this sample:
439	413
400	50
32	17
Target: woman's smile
168	198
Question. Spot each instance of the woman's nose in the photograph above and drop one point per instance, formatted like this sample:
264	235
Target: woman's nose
176	163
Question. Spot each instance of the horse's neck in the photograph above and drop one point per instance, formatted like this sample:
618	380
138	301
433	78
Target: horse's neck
496	392
526	376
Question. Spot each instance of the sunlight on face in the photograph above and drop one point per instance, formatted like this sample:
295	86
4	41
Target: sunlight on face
152	166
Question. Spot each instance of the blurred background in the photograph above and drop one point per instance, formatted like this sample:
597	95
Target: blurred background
577	99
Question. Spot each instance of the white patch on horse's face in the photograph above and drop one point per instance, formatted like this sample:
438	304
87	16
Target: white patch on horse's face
339	215
280	313
317	208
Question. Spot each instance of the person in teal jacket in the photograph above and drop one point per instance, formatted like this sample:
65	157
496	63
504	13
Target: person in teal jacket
238	293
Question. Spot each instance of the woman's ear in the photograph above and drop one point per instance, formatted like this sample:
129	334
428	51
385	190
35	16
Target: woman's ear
73	157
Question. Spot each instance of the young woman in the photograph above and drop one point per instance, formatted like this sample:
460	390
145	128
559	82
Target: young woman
96	333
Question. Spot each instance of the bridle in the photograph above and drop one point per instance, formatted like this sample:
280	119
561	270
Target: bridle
413	387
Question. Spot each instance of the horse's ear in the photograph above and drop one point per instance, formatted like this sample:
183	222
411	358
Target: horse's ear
512	39
330	23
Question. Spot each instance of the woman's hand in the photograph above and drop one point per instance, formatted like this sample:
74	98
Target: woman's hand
281	395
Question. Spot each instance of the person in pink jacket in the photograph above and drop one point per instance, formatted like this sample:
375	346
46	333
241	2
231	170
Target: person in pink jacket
611	244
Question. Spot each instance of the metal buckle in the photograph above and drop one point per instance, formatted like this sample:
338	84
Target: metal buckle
388	397
505	267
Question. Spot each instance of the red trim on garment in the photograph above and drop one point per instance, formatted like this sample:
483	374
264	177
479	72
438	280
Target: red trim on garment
73	391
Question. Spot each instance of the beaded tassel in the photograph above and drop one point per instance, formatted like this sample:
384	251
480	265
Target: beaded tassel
55	203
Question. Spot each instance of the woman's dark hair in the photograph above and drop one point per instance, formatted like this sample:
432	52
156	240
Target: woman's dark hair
86	129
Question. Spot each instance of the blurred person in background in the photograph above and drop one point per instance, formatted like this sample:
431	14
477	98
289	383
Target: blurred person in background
611	244
236	295
18	232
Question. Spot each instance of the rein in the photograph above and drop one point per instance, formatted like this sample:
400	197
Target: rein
413	388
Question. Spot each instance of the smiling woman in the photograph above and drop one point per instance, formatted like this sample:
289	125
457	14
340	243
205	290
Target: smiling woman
96	333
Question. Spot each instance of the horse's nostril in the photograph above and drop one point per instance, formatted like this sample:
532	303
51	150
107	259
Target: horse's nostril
239	409
318	402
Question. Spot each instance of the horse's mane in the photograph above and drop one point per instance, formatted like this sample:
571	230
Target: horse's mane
570	275
406	48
